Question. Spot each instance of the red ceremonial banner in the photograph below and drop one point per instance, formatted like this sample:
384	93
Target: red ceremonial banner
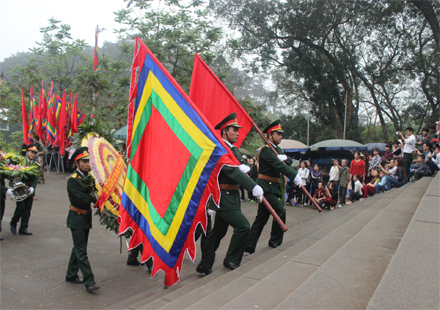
214	100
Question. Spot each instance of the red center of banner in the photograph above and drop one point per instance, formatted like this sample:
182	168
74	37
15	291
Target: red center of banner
161	180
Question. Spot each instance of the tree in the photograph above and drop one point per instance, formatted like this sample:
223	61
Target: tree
173	34
355	51
69	64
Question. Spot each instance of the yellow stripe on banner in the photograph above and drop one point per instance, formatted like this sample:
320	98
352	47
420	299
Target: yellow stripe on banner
144	99
197	135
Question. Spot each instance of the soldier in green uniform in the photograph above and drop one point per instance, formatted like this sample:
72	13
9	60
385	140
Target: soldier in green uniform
271	168
229	212
23	208
79	220
3	191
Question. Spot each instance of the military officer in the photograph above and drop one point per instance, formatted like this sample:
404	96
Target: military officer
271	168
79	220
229	211
23	208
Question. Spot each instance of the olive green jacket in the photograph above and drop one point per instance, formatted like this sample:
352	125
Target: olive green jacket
230	199
269	165
80	198
345	176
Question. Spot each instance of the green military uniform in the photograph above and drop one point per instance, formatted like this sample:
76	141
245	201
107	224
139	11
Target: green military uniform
3	190
134	253
23	208
270	167
80	224
229	212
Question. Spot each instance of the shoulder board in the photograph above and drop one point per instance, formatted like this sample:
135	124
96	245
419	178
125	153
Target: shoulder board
38	164
74	175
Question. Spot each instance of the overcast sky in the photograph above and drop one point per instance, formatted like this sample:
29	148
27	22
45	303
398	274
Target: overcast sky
20	21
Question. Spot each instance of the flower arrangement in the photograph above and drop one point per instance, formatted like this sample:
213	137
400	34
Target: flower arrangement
15	167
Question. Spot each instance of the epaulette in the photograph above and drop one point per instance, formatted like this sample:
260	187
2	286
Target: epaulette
74	175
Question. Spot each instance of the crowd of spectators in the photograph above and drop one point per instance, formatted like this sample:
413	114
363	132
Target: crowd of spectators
405	160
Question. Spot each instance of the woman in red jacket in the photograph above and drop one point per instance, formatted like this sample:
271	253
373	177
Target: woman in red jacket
370	188
357	166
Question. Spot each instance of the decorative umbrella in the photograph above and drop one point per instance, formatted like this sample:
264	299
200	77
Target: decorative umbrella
121	134
379	145
292	146
245	152
339	145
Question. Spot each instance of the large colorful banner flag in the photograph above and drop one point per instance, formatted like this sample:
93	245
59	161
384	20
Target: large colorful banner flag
165	195
214	100
51	117
25	119
33	116
61	124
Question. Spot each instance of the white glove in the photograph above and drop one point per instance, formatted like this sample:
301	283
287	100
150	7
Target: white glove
244	168
31	190
297	180
10	193
211	212
257	191
282	157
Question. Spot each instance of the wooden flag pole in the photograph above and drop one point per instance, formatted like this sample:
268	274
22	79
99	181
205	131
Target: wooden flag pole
274	214
315	204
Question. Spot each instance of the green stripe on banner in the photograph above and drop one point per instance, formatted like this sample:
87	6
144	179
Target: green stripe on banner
137	136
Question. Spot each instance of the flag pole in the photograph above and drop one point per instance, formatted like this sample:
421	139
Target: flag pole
315	204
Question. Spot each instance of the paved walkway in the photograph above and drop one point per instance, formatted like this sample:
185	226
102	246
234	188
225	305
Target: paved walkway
33	268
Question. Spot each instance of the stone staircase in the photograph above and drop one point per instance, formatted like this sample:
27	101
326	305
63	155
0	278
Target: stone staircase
355	257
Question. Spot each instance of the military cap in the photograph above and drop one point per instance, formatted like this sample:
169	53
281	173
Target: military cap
81	153
230	120
32	147
275	126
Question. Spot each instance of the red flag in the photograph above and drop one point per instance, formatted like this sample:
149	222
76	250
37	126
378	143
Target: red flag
74	117
214	100
25	119
96	60
61	134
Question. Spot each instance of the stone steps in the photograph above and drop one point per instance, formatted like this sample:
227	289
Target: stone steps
412	279
225	287
334	260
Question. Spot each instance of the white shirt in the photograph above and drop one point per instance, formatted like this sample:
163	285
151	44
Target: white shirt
410	145
436	160
228	143
334	173
393	172
358	187
304	174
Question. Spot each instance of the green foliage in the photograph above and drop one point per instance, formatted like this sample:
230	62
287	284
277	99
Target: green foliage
13	143
337	53
253	140
173	34
68	63
95	127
